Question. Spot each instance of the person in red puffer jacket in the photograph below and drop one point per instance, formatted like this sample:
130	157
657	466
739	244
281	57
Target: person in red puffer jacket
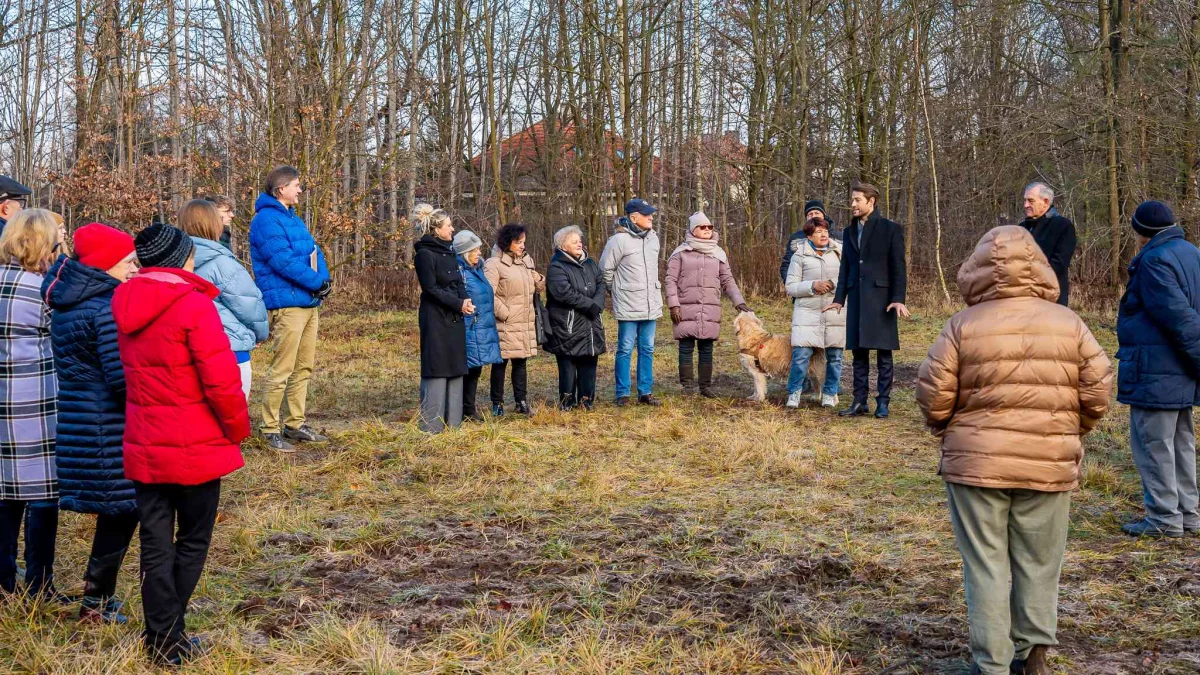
185	420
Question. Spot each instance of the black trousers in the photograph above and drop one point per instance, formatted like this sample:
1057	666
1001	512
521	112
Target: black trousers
470	387
519	380
173	556
109	545
41	529
577	378
687	346
862	374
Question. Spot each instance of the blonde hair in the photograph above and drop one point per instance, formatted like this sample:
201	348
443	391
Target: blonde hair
29	239
199	218
426	219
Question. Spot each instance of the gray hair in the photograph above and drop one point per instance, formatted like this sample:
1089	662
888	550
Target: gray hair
1043	190
561	236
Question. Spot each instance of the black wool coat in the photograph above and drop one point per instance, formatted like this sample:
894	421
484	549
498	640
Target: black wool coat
871	278
1055	234
443	332
575	300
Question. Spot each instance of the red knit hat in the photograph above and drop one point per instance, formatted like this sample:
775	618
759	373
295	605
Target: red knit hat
100	246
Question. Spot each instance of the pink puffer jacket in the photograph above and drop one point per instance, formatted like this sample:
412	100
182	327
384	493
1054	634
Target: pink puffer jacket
695	282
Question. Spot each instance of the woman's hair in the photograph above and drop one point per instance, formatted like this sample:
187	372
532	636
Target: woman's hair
426	219
222	201
813	223
199	218
869	191
562	235
29	239
279	177
508	234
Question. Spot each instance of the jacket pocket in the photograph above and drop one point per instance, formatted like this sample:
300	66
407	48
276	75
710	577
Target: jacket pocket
882	283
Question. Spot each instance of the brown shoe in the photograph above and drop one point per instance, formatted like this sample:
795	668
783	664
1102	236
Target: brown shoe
1035	663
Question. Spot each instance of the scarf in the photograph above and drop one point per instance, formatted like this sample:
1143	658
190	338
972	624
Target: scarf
706	247
578	261
629	227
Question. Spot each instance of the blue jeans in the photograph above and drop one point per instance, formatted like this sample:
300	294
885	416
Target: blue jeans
833	369
641	333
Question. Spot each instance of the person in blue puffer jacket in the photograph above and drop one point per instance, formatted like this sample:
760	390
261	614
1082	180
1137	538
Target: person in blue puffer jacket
91	404
240	303
483	340
290	270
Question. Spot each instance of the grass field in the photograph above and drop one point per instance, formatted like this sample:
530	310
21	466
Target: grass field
702	537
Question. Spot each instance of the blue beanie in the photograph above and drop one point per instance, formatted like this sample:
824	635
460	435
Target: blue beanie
1152	217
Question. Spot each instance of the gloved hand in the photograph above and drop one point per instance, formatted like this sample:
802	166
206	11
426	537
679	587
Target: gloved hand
593	310
324	291
743	308
676	315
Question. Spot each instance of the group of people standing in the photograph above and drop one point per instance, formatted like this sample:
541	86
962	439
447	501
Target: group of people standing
125	379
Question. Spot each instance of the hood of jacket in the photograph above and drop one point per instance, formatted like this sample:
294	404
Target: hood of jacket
208	250
266	201
1007	263
70	282
151	292
560	254
432	244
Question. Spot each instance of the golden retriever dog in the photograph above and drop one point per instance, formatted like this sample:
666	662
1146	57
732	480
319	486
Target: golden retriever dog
766	354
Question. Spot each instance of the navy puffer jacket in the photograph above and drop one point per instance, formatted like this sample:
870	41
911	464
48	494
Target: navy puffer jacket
91	390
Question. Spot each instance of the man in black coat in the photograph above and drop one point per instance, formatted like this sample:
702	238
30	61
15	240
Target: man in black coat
1054	233
872	283
812	207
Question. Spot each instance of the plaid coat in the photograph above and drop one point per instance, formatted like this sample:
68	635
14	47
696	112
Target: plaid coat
28	389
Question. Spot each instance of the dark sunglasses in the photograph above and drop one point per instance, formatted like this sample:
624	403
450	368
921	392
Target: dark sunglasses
704	227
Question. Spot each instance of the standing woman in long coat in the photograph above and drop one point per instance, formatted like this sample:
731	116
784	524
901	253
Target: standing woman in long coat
444	303
29	394
511	273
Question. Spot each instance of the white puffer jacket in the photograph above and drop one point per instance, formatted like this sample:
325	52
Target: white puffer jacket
811	327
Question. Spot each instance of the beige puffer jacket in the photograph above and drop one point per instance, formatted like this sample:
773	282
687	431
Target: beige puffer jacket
1014	380
514	282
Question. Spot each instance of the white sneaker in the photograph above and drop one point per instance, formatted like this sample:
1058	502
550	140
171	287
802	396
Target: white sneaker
829	400
794	399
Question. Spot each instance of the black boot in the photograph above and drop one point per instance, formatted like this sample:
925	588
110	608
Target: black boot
881	408
522	408
706	373
857	409
687	376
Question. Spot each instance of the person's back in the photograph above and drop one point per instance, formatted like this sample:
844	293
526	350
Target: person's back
1015	379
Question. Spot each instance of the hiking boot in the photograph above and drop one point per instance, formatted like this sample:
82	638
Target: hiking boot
881	408
794	399
1145	528
522	408
1033	664
304	434
648	399
497	410
95	613
177	654
829	400
857	409
621	401
687	377
277	443
706	372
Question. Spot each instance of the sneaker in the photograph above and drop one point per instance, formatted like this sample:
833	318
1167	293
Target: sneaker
649	399
277	443
179	653
522	408
110	613
794	399
304	434
497	410
829	400
1145	528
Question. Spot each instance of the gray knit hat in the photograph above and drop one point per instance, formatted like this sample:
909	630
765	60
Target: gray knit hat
161	245
466	241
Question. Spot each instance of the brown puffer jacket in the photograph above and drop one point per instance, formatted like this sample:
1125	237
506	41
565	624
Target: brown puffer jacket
514	282
1014	380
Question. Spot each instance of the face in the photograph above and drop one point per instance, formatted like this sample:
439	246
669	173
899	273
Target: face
573	245
820	236
290	194
517	248
813	214
703	231
644	222
861	206
226	216
124	270
1036	205
445	231
10	208
472	256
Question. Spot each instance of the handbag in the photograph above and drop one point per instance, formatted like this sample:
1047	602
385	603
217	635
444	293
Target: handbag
541	320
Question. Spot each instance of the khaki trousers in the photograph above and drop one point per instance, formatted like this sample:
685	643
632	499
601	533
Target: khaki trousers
294	333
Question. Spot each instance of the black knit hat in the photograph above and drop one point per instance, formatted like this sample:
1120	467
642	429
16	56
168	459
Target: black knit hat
161	245
1152	217
815	204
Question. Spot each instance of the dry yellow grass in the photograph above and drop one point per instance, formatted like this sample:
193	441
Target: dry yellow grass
702	537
